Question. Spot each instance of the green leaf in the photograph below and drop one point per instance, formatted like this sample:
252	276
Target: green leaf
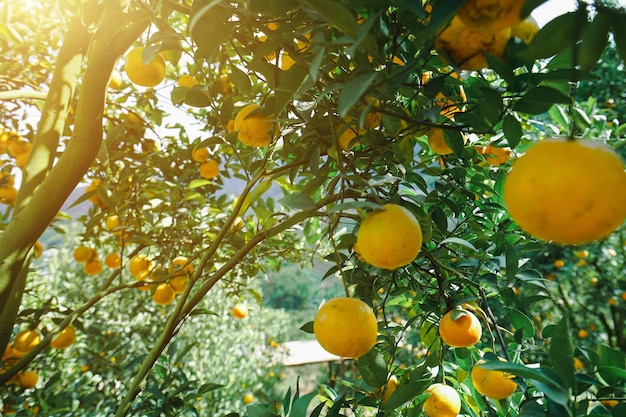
458	241
352	92
594	39
240	79
405	393
373	368
512	261
209	26
298	201
307	327
609	358
556	36
521	321
351	205
562	353
204	388
289	84
539	100
259	411
454	140
301	405
512	129
197	98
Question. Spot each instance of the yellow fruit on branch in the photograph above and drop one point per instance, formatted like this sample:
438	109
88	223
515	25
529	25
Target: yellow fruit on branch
346	327
460	328
209	169
389	238
26	340
345	135
163	294
112	222
65	339
27	379
93	267
240	311
146	74
187	80
444	401
140	264
254	129
467	46
200	155
437	142
113	260
248	398
491	383
567	191
494	155
84	254
388	389
491	15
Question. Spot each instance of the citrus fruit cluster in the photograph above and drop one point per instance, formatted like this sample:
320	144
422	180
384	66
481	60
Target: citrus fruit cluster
165	285
88	256
209	167
18	148
483	27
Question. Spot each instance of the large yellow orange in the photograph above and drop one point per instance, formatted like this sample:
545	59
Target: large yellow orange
444	401
346	327
65	339
146	74
467	46
27	379
465	331
139	265
491	15
389	238
491	383
567	191
163	294
254	129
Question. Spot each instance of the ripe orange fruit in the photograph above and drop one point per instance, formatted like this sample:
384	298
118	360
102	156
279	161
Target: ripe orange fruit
94	198
491	383
65	339
163	294
583	334
27	379
559	263
209	169
567	191
178	283
345	136
346	327
437	142
582	253
93	267
253	128
389	388
239	311
465	331
491	15
494	155
112	222
187	80
248	398
468	45
444	401
84	254
26	340
139	264
200	155
37	249
146	74
8	195
286	61
113	260
389	238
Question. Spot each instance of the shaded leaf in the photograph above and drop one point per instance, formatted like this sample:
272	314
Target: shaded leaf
373	368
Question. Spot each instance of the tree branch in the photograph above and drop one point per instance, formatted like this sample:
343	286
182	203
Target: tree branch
24	94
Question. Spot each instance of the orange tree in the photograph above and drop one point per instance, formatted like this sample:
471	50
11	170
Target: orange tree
337	100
